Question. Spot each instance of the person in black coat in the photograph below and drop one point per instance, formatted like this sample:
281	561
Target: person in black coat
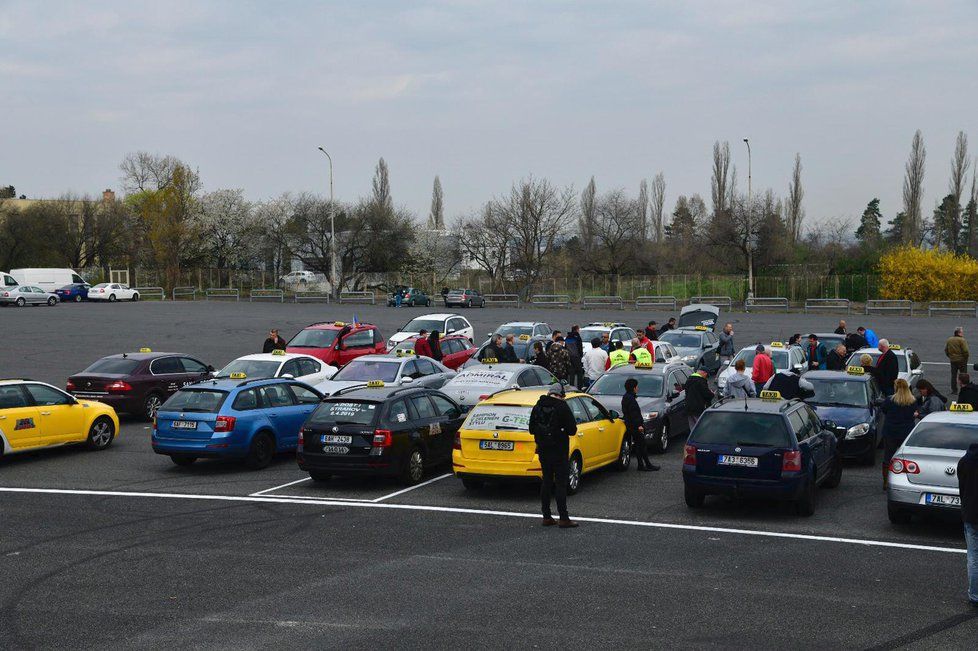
900	410
631	413
698	396
855	341
967	392
552	423
887	368
435	342
836	359
968	489
274	342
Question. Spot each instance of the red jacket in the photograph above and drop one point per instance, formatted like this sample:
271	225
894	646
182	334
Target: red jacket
422	347
762	369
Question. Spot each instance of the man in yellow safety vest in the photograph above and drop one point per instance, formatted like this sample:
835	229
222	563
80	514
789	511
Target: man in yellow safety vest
641	354
617	357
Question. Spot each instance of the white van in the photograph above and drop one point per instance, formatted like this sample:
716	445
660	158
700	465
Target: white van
6	280
47	279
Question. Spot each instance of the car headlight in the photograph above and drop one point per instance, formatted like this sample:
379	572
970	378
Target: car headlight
862	429
650	415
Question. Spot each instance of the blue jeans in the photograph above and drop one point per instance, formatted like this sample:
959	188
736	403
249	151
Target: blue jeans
971	538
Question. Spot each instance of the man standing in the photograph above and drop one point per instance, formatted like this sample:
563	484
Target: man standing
698	396
815	353
595	361
421	345
855	341
552	424
575	347
887	368
871	339
726	349
558	360
494	350
553	337
836	359
641	353
274	342
509	351
618	356
650	331
631	413
957	353
968	489
670	325
762	369
968	392
841	330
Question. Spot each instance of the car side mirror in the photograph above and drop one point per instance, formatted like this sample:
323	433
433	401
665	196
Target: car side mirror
800	367
289	376
407	379
614	415
707	346
917	371
450	331
210	368
672	395
725	364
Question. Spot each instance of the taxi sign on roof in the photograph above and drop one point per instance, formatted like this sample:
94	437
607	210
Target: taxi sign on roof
238	376
855	370
405	353
524	337
145	350
338	324
896	347
770	395
960	406
777	344
701	327
375	384
490	360
278	351
643	364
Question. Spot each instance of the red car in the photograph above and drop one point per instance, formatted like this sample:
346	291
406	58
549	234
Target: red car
337	343
455	349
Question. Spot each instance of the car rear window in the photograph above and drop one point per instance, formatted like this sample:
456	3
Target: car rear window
204	401
946	436
114	366
482	377
901	360
779	357
340	412
741	428
251	368
366	370
514	330
314	338
498	417
649	386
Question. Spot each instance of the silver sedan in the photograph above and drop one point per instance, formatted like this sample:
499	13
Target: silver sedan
472	384
27	295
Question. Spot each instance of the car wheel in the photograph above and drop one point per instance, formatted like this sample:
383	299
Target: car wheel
624	454
319	476
472	484
100	434
694	498
135	297
574	474
661	442
21	302
181	460
413	471
52	301
835	476
805	505
111	298
896	514
78	298
261	451
151	405
868	458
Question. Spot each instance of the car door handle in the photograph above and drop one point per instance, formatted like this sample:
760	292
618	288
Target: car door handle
600	429
580	433
3	418
45	413
273	415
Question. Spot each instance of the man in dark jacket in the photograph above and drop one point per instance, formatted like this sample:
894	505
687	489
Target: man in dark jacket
815	353
631	413
887	368
494	350
651	332
790	385
552	424
559	360
670	325
508	351
698	396
968	392
274	342
575	348
968	488
855	341
841	330
836	359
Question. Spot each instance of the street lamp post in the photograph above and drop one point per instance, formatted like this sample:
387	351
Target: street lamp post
332	229
750	230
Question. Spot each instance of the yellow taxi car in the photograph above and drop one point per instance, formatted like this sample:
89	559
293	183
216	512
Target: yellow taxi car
494	442
37	415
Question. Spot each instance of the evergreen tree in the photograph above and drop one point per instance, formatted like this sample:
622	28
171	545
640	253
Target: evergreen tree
8	192
869	224
944	226
682	228
969	221
897	228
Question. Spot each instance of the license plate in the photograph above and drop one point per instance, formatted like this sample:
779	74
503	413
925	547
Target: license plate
184	424
337	438
943	500
335	449
733	460
505	446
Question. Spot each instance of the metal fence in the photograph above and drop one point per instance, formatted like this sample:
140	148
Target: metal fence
962	308
500	300
828	305
766	303
551	300
222	294
310	296
358	297
184	292
603	301
719	301
657	302
275	295
879	306
151	293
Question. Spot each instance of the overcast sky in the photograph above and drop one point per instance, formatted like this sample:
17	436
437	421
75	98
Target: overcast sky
483	93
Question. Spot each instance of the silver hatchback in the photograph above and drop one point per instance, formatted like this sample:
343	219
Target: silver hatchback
27	295
922	476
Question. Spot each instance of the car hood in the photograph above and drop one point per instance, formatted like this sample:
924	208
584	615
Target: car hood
843	416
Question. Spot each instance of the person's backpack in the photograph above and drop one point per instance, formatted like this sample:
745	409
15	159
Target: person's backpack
541	425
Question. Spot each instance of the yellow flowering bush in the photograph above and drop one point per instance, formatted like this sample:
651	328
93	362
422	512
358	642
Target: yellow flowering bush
912	273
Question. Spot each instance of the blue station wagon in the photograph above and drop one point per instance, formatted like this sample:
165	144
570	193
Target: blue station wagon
251	420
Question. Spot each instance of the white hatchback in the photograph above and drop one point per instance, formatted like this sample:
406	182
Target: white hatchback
112	292
304	368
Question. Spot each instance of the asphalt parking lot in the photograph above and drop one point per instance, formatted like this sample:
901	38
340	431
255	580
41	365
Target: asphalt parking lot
122	548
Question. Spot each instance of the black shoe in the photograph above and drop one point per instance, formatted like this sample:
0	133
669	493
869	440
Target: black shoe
651	468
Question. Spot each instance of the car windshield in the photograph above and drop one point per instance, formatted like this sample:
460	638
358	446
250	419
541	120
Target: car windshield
514	330
947	436
778	357
901	360
587	334
369	369
100	285
340	412
519	347
417	325
251	368
839	393
482	377
741	428
313	338
681	339
613	384
114	366
205	401
498	417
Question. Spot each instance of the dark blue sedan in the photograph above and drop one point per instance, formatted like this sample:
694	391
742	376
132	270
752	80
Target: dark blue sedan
847	399
73	293
761	447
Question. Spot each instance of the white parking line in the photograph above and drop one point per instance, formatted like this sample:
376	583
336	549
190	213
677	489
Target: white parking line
275	488
270	499
937	363
410	488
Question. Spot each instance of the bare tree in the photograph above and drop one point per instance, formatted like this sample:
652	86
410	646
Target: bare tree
959	242
382	186
658	205
913	190
794	212
146	172
643	209
484	241
436	218
617	233
588	215
720	181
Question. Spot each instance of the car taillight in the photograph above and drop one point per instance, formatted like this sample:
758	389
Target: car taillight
689	455
118	387
457	442
791	461
484	396
301	439
69	385
6	293
904	466
383	438
224	424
